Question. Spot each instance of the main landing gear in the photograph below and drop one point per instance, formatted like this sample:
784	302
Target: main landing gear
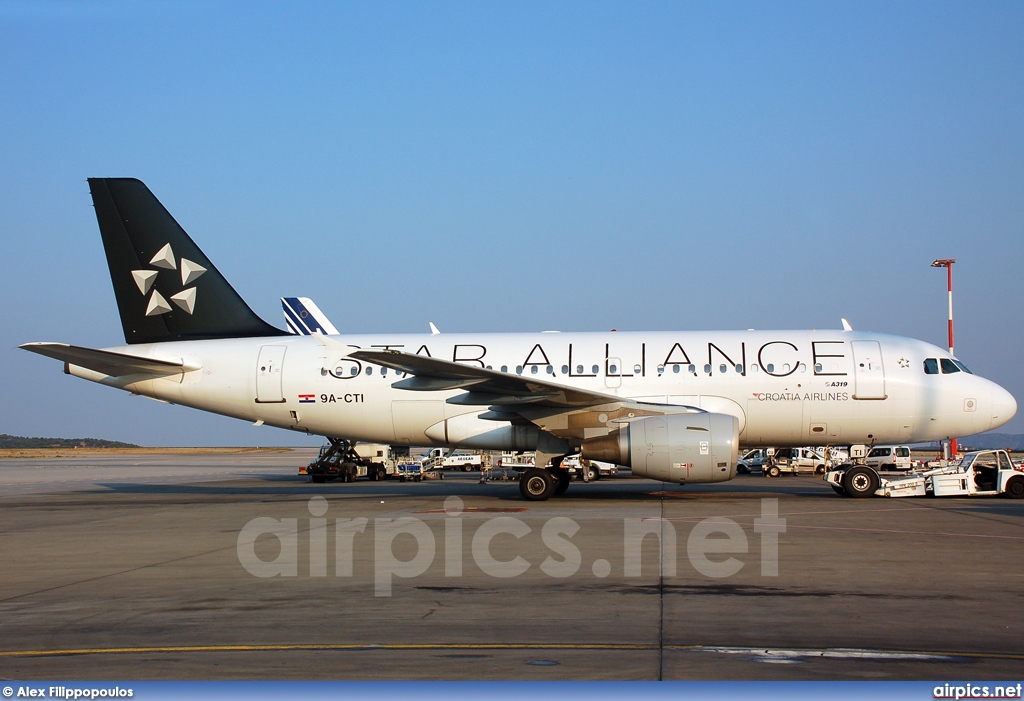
538	484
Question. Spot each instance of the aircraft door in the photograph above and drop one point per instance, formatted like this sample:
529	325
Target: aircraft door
613	373
868	374
268	374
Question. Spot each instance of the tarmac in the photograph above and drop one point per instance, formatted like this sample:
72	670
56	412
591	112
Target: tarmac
233	567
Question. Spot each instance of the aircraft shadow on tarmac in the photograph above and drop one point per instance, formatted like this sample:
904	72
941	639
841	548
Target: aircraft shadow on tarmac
605	490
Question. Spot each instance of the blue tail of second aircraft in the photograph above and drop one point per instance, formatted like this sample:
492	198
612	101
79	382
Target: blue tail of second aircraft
305	318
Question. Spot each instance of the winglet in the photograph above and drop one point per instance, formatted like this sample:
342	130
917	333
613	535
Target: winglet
340	349
846	325
434	331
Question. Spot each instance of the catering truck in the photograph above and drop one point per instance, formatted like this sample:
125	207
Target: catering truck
440	459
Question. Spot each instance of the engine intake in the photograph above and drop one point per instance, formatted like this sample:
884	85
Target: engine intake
682	448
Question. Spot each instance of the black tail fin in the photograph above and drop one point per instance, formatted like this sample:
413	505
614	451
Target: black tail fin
166	288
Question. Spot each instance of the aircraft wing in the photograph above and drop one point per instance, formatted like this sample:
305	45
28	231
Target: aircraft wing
565	412
106	362
483	387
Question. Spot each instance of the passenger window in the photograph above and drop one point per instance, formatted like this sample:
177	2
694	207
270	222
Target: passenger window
565	369
596	369
504	368
369	370
693	369
519	369
661	369
948	366
722	368
817	367
613	369
803	367
931	366
355	370
739	368
383	372
579	369
771	367
637	369
707	368
533	369
675	368
551	370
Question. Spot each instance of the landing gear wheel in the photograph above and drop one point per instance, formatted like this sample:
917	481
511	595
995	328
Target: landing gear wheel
536	484
562	480
860	482
773	471
1015	488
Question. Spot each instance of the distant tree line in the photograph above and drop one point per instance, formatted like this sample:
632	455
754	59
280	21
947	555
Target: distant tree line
7	441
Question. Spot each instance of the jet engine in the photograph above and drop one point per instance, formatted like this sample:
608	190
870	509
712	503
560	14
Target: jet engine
682	448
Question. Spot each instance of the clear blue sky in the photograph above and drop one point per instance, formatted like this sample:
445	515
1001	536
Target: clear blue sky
515	166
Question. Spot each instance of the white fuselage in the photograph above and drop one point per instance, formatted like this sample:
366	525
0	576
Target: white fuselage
785	387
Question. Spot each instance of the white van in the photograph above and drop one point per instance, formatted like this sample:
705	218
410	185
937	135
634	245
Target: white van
889	457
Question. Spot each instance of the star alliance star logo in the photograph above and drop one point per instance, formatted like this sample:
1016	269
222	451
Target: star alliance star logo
903	363
186	299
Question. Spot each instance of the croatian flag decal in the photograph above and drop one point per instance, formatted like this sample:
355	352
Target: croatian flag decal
307	399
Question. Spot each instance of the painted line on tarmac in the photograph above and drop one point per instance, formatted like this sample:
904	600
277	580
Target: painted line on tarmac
891	531
344	647
778	653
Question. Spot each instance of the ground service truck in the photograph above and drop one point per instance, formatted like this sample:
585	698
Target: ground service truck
978	473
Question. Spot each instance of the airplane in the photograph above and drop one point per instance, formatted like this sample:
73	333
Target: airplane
302	316
674	406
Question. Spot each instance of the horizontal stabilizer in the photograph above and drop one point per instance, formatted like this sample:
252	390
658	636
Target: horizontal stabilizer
106	362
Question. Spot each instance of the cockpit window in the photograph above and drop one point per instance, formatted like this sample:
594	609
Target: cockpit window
931	366
948	366
963	367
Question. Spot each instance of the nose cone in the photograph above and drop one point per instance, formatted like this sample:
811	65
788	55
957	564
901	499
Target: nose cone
1004	406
